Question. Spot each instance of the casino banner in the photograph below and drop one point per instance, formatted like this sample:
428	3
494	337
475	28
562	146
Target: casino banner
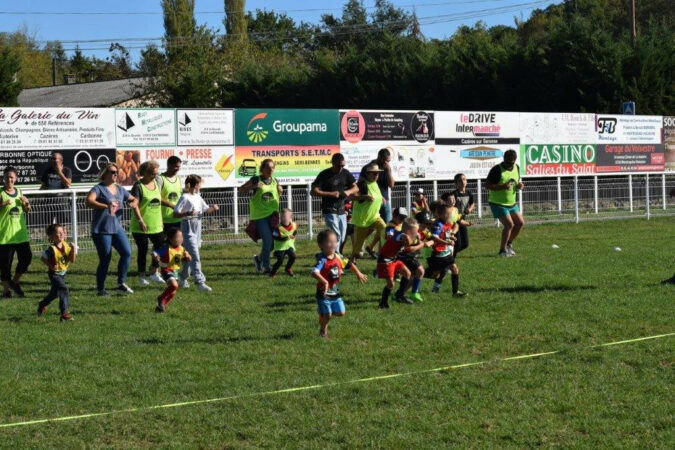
669	142
408	135
300	141
471	142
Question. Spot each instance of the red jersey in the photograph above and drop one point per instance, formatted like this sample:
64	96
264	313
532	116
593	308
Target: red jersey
442	231
391	247
331	269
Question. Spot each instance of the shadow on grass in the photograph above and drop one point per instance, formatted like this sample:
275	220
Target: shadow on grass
218	340
528	288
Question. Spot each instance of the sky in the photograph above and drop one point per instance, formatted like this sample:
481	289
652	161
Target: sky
438	18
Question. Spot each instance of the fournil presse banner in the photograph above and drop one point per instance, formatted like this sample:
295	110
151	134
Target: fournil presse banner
471	142
300	141
408	135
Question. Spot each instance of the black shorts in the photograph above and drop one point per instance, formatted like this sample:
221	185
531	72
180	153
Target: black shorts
350	229
439	264
412	263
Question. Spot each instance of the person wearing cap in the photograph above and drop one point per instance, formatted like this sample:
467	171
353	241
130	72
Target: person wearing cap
334	185
420	203
503	181
366	212
385	181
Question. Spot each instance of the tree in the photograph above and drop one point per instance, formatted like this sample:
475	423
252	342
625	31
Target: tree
179	26
235	20
10	84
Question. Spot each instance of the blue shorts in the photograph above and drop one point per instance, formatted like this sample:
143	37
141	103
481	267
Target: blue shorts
328	306
501	211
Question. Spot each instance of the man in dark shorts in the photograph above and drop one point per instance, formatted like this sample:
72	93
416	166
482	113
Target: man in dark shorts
465	205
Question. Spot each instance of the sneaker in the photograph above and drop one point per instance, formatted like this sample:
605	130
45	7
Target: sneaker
156	278
509	250
123	288
143	281
383	305
17	289
103	293
504	254
323	333
66	317
404	299
266	271
436	289
290	272
371	252
459	294
416	296
258	263
41	310
7	294
183	284
160	308
203	287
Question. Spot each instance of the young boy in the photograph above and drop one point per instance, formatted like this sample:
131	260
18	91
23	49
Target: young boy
419	239
389	265
170	258
442	257
397	218
57	257
284	242
327	271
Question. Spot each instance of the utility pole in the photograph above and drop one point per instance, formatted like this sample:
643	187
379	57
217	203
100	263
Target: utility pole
633	31
53	72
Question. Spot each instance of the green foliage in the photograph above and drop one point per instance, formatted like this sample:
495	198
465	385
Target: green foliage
10	86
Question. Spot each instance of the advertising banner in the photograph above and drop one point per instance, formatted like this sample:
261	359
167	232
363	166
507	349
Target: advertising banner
555	128
408	135
630	158
616	129
669	142
471	143
557	159
85	164
145	127
300	141
210	127
56	128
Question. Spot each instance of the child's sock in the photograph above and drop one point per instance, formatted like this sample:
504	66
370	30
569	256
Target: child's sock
168	294
386	292
416	284
402	287
455	283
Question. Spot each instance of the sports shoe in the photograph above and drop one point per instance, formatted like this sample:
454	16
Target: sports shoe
183	283
403	299
416	296
155	278
41	310
66	317
383	305
160	309
436	289
273	274
203	287
17	289
103	293
258	263
371	252
505	254
143	281
509	250
290	272
123	288
459	294
323	333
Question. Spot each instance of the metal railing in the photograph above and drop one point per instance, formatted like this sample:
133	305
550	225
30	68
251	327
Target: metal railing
562	199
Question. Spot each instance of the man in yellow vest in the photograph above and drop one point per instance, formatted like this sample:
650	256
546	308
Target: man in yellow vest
503	182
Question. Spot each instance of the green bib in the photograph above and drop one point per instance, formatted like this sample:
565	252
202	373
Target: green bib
286	243
364	214
151	211
506	197
171	191
13	229
265	201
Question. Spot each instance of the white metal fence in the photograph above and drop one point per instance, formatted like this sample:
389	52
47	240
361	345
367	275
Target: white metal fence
562	199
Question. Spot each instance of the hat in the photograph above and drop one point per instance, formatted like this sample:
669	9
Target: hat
423	217
400	212
373	168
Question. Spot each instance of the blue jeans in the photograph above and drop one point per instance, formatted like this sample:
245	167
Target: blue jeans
385	211
265	232
337	223
104	244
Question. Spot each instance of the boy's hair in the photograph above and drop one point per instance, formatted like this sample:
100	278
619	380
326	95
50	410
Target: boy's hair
409	223
433	207
285	210
171	233
446	196
173	160
192	180
459	177
441	207
323	235
51	229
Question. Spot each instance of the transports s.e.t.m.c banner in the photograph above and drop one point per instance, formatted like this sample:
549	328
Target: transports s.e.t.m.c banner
300	141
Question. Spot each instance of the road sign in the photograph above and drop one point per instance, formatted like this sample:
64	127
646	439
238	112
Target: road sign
628	108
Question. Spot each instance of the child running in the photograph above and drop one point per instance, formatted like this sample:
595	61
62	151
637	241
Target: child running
284	242
419	238
57	257
328	271
389	265
170	257
442	258
191	207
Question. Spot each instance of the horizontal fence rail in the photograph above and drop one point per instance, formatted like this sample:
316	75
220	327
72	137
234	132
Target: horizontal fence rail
561	199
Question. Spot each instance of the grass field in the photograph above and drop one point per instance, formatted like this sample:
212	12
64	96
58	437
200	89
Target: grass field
255	335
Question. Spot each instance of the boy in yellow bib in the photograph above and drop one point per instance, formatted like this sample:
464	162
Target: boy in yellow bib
284	242
57	257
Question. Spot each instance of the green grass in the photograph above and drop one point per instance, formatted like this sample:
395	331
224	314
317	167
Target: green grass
255	335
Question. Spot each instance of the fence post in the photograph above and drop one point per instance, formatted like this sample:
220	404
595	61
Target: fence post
407	197
73	215
520	200
576	199
479	197
663	190
235	209
310	231
436	189
595	193
559	196
647	194
289	197
630	192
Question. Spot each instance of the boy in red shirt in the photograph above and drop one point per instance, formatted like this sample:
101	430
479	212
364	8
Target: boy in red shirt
389	265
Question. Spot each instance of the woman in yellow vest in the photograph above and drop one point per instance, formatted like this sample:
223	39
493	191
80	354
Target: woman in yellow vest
264	210
171	187
366	211
503	182
146	222
13	234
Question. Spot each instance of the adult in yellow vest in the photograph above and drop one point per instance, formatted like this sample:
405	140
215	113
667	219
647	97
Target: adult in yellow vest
264	210
13	234
366	211
171	187
503	182
146	224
